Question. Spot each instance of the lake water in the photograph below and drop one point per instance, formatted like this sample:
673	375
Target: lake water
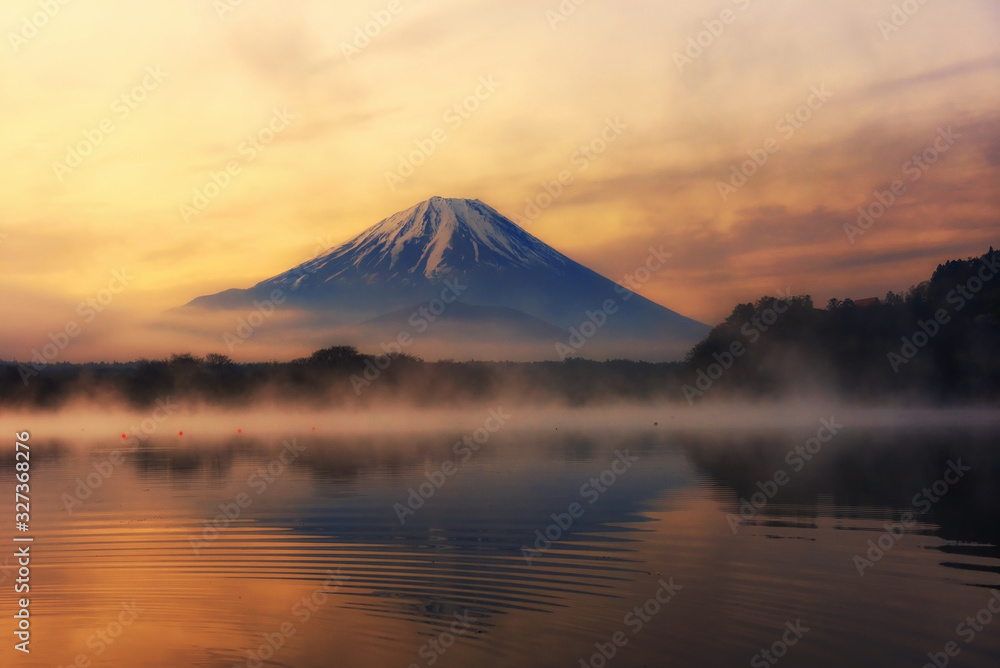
212	551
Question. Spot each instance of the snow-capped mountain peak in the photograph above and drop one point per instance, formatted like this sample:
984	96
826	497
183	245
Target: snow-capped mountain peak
438	237
457	271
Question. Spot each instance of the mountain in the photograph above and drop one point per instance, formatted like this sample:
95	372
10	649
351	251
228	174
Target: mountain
511	292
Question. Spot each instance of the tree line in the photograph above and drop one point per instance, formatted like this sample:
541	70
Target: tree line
937	342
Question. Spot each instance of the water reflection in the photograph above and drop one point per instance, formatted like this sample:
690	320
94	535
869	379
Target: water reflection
224	544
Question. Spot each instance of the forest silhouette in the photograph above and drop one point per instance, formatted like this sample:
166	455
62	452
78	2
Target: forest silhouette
936	343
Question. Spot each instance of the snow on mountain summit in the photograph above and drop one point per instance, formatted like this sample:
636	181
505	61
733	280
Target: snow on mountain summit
506	290
434	239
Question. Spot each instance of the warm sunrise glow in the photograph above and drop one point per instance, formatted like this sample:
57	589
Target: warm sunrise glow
284	124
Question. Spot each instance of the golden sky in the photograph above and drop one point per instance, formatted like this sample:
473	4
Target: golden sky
164	95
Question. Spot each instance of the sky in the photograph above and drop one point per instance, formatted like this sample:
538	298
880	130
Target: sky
162	150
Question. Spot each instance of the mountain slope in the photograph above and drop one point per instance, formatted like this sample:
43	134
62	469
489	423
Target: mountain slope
413	256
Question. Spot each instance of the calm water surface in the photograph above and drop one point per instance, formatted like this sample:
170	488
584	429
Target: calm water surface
322	563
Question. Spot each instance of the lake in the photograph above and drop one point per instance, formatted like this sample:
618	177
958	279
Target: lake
821	544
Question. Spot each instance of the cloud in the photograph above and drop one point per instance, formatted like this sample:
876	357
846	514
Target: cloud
657	183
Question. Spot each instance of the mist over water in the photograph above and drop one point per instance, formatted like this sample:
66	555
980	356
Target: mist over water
502	536
82	423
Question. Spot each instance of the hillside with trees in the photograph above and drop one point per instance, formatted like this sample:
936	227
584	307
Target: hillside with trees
936	343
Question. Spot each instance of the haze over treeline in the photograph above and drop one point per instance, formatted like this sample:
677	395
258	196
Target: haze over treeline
936	342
